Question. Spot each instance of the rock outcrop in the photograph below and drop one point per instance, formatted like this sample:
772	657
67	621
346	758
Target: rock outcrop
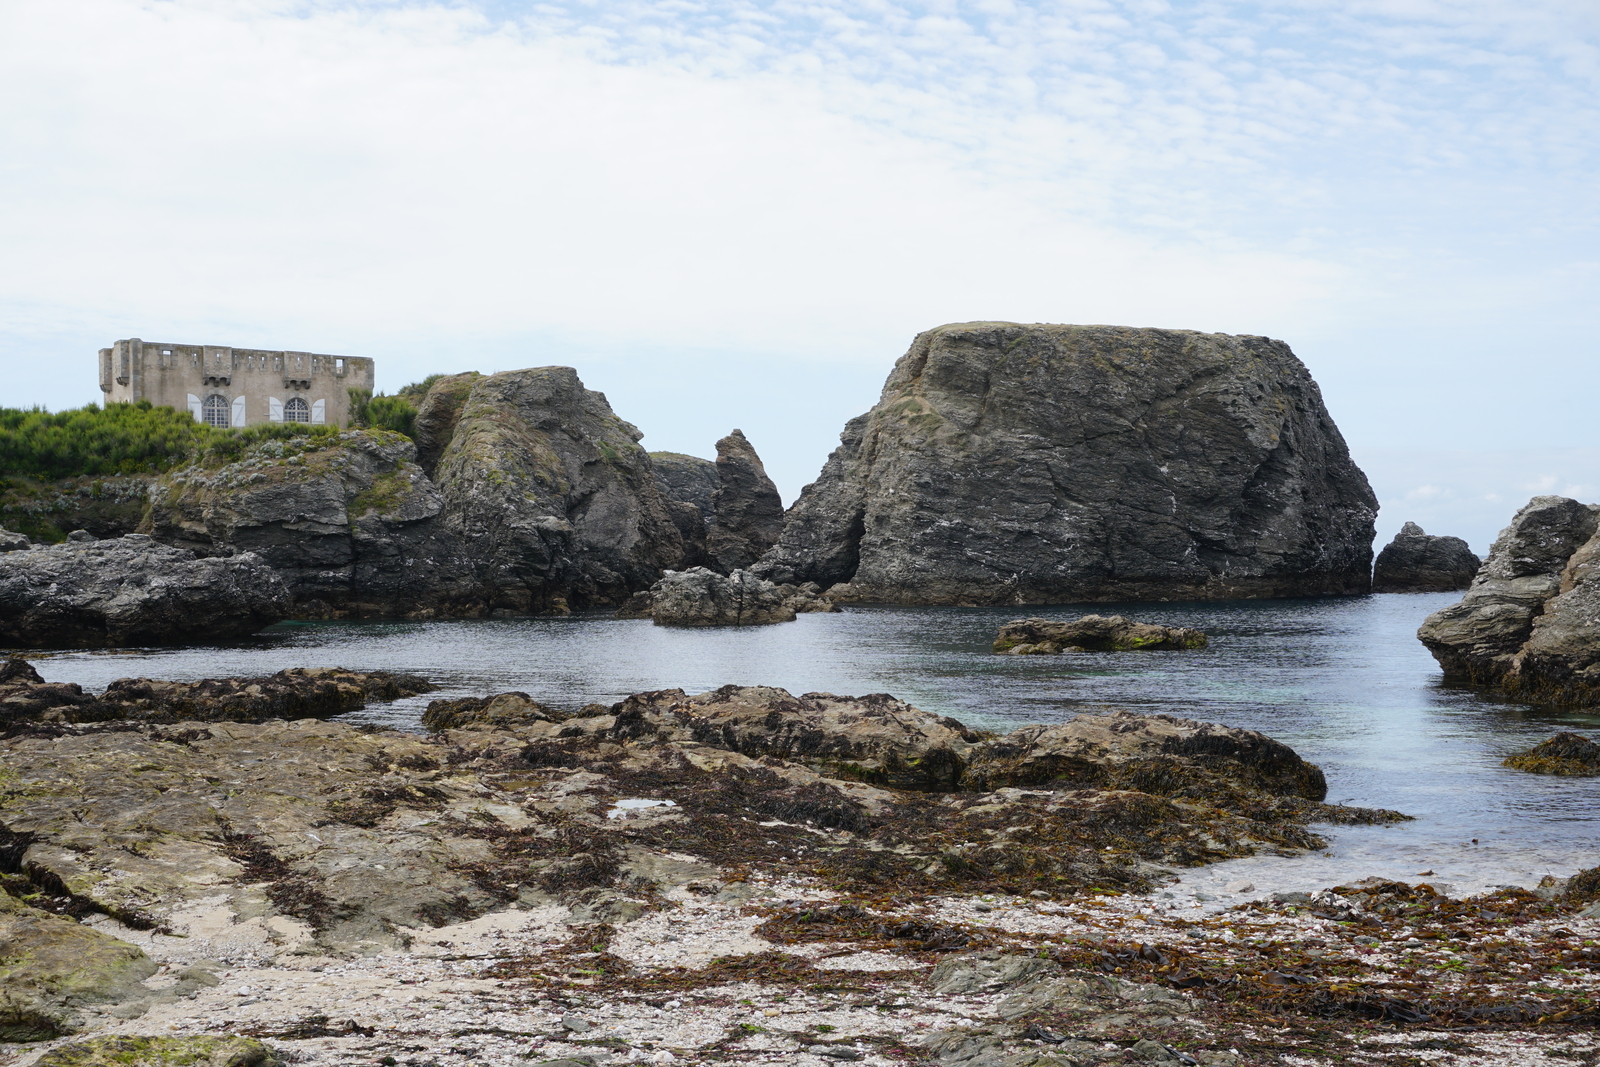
1011	464
748	513
13	542
485	713
1420	562
1092	633
296	693
195	1051
54	971
350	522
1529	626
689	480
702	597
1566	754
133	591
437	416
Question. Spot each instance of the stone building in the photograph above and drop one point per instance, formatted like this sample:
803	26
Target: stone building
235	386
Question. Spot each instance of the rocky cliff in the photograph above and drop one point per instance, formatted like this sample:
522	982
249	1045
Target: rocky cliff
1419	562
1530	624
1034	464
748	513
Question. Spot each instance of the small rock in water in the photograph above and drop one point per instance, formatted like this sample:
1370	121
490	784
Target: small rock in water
1241	886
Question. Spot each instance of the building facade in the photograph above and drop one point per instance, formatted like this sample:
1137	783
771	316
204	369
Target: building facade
232	387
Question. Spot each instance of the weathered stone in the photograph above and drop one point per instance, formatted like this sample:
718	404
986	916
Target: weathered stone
1155	754
702	597
13	542
485	713
132	591
437	415
1010	464
1419	562
52	968
1566	753
554	494
1527	626
688	479
349	522
1092	633
195	1051
748	511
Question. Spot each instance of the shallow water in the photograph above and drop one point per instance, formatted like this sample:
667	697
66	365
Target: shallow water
1343	681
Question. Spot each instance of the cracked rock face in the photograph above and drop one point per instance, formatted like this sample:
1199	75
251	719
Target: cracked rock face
85	593
1420	562
1042	464
1529	626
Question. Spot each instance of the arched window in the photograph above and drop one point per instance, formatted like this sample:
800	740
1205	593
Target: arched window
296	410
215	412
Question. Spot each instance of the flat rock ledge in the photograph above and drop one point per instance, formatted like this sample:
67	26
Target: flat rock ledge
702	597
132	590
1092	633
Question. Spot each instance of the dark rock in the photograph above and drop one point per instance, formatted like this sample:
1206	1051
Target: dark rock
1156	754
1010	464
1419	562
437	416
1565	754
106	506
554	494
748	510
1092	633
1526	626
53	969
485	713
133	591
351	524
688	479
198	1051
701	597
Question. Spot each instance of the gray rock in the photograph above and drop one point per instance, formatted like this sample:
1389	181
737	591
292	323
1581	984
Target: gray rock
1526	627
688	479
702	597
748	510
13	542
1419	562
554	494
484	713
437	415
132	591
1043	464
986	972
1092	633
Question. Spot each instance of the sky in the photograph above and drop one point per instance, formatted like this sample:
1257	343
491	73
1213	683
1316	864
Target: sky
739	214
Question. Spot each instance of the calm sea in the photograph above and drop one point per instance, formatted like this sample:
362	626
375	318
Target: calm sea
1344	681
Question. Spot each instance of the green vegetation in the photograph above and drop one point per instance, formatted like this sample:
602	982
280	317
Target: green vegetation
230	446
137	438
397	413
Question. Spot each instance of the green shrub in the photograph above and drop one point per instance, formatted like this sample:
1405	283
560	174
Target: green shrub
229	446
382	412
137	438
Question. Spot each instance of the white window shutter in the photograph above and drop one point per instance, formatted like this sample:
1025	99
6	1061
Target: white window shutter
194	408
238	412
274	409
319	411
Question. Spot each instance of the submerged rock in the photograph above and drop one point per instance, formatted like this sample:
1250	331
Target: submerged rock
1566	753
54	970
1092	633
748	513
702	597
1012	464
133	591
1526	627
1419	562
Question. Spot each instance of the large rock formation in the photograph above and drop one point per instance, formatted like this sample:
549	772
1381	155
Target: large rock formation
350	521
688	479
1038	464
702	597
748	510
85	593
1092	633
1419	562
1530	624
437	415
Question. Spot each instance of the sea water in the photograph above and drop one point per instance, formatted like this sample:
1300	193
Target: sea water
1343	681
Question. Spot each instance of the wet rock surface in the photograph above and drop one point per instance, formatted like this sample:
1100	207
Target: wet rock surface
57	975
299	692
1013	464
1566	753
1092	633
1420	562
162	1052
747	511
702	597
131	591
486	713
1527	627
